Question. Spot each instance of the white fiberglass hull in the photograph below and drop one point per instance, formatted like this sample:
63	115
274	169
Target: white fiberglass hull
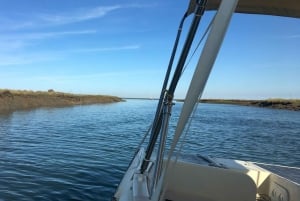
202	180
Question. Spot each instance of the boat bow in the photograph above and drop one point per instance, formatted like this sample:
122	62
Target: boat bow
232	180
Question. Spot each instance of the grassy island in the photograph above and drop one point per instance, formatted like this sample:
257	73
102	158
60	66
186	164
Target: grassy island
288	104
11	100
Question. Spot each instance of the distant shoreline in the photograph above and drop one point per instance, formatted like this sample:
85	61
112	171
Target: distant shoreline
12	100
287	104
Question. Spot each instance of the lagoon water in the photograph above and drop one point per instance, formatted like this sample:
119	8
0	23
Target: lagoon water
81	152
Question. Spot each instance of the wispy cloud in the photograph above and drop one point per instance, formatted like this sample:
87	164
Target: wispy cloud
10	45
29	58
22	59
60	78
104	75
43	35
54	19
11	42
107	49
78	16
20	39
295	36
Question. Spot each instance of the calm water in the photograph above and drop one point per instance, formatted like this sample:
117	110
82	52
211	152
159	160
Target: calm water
81	153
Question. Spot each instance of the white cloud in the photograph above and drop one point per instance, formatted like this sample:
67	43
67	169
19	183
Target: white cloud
97	76
28	58
43	35
54	19
22	59
78	16
11	45
57	34
295	36
15	48
107	49
11	42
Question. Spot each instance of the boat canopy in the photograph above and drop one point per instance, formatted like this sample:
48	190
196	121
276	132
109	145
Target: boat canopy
285	8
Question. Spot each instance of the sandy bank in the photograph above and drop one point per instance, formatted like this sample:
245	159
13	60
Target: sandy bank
11	100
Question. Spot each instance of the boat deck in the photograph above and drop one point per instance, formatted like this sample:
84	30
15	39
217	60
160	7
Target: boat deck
290	173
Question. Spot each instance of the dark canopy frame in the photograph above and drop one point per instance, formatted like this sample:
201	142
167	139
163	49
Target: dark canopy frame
285	8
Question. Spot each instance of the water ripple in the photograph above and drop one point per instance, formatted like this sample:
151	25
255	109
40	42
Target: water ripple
81	153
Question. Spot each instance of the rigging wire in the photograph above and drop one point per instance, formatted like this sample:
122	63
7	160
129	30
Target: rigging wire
178	152
145	136
155	128
171	166
140	145
197	104
172	58
198	45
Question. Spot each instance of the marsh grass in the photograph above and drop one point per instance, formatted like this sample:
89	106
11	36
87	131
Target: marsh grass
11	100
276	103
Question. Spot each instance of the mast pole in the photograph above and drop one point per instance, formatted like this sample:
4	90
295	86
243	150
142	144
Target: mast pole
170	93
198	14
157	122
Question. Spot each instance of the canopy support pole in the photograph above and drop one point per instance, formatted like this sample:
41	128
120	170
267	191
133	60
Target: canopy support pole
205	63
200	77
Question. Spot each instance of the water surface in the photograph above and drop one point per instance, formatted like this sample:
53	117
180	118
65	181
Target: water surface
81	152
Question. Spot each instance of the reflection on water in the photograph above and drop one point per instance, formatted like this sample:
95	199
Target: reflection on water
81	153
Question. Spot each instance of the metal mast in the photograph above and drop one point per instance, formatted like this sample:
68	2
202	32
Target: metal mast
167	95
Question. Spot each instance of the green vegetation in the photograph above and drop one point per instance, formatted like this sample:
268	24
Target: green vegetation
288	104
11	100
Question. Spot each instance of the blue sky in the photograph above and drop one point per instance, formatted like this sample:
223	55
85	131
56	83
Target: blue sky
123	47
